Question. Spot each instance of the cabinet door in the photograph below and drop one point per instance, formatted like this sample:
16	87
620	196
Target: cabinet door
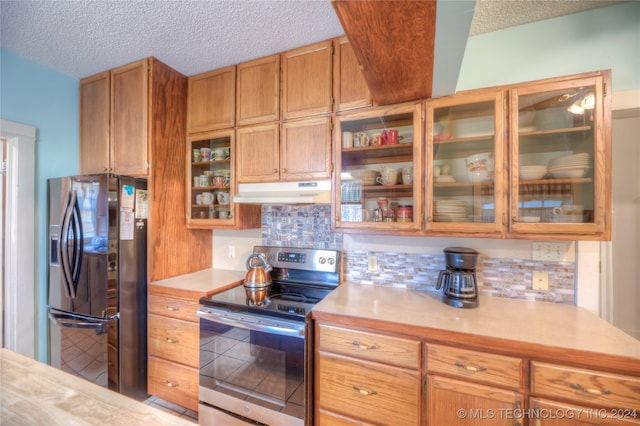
211	100
453	402
560	159
258	153
130	118
465	164
95	95
379	182
258	93
305	149
306	81
350	89
545	412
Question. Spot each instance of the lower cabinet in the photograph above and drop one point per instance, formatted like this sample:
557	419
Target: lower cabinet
173	348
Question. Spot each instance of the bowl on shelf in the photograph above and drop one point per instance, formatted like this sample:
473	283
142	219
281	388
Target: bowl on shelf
569	173
532	172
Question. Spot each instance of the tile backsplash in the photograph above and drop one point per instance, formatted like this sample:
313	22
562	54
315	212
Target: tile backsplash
310	226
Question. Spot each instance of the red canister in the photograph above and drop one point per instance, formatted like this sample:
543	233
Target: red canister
405	214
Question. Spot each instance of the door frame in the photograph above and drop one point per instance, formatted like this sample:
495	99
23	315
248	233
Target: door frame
20	263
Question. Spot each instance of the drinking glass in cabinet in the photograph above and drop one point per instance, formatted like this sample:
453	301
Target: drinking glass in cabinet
463	165
555	153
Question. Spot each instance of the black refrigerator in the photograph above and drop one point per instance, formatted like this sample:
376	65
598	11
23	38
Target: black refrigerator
97	280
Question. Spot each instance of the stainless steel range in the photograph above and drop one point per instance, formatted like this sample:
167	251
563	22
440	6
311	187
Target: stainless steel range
255	358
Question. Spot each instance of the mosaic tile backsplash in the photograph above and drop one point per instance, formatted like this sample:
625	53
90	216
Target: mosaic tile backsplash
310	226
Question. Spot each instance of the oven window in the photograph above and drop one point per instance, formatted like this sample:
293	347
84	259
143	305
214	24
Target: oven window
259	367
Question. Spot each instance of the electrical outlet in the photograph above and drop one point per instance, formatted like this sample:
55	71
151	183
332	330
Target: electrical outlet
232	252
543	250
372	263
540	280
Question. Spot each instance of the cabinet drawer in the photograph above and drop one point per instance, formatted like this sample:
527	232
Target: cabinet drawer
173	382
478	366
367	391
552	413
326	418
175	308
586	386
173	339
371	346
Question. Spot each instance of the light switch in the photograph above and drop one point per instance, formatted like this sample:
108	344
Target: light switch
540	280
372	263
232	252
544	250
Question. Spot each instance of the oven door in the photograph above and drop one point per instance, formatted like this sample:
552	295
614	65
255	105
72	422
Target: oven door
251	366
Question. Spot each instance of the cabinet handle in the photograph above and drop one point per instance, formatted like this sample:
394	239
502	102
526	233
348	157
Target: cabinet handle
469	368
283	170
275	170
359	345
172	384
172	308
363	391
589	390
171	340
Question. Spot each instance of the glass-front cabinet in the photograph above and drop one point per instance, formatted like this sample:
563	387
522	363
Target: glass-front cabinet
378	183
559	158
465	190
210	179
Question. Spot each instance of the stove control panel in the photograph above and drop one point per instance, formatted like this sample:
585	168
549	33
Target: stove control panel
292	257
303	259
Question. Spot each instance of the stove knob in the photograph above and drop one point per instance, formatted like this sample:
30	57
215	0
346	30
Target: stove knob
322	260
331	261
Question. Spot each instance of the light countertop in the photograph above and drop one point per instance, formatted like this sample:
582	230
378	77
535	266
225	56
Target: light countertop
33	393
541	323
199	284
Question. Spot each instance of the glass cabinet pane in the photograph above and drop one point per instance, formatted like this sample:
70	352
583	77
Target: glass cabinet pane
463	162
210	177
379	179
555	155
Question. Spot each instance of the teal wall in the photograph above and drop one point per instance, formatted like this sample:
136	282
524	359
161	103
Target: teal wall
599	39
47	100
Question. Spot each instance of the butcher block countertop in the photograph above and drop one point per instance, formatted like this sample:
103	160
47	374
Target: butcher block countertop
33	393
198	284
542	329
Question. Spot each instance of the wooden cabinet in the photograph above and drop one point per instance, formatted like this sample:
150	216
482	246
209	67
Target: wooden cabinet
173	347
211	100
306	81
600	397
115	111
299	151
553	413
379	184
363	377
350	89
539	166
210	182
455	402
95	103
258	91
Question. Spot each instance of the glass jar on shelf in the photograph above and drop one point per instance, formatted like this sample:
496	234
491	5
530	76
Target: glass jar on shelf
379	165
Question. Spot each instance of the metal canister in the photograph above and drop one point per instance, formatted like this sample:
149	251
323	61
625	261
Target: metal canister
405	214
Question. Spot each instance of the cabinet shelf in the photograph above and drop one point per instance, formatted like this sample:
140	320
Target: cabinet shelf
207	163
209	188
379	190
378	151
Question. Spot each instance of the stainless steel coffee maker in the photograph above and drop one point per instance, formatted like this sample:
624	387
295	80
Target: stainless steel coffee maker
458	281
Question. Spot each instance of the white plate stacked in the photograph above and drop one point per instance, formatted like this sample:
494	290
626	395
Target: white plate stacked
570	166
450	210
532	172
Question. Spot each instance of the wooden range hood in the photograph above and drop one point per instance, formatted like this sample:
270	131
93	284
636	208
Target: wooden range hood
394	42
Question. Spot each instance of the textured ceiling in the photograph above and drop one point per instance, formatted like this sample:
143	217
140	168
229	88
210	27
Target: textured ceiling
80	37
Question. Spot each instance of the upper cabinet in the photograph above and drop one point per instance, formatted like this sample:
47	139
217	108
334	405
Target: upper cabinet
95	105
350	89
561	158
378	183
521	161
465	174
211	100
114	120
306	81
258	91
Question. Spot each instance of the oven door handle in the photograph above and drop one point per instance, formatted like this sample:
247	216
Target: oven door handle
226	319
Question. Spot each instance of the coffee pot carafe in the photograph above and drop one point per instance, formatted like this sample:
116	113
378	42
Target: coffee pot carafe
458	281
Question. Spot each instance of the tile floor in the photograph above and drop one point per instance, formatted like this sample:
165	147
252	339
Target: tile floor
174	409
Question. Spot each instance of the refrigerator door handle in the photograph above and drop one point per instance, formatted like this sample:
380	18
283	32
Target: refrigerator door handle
71	229
77	321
